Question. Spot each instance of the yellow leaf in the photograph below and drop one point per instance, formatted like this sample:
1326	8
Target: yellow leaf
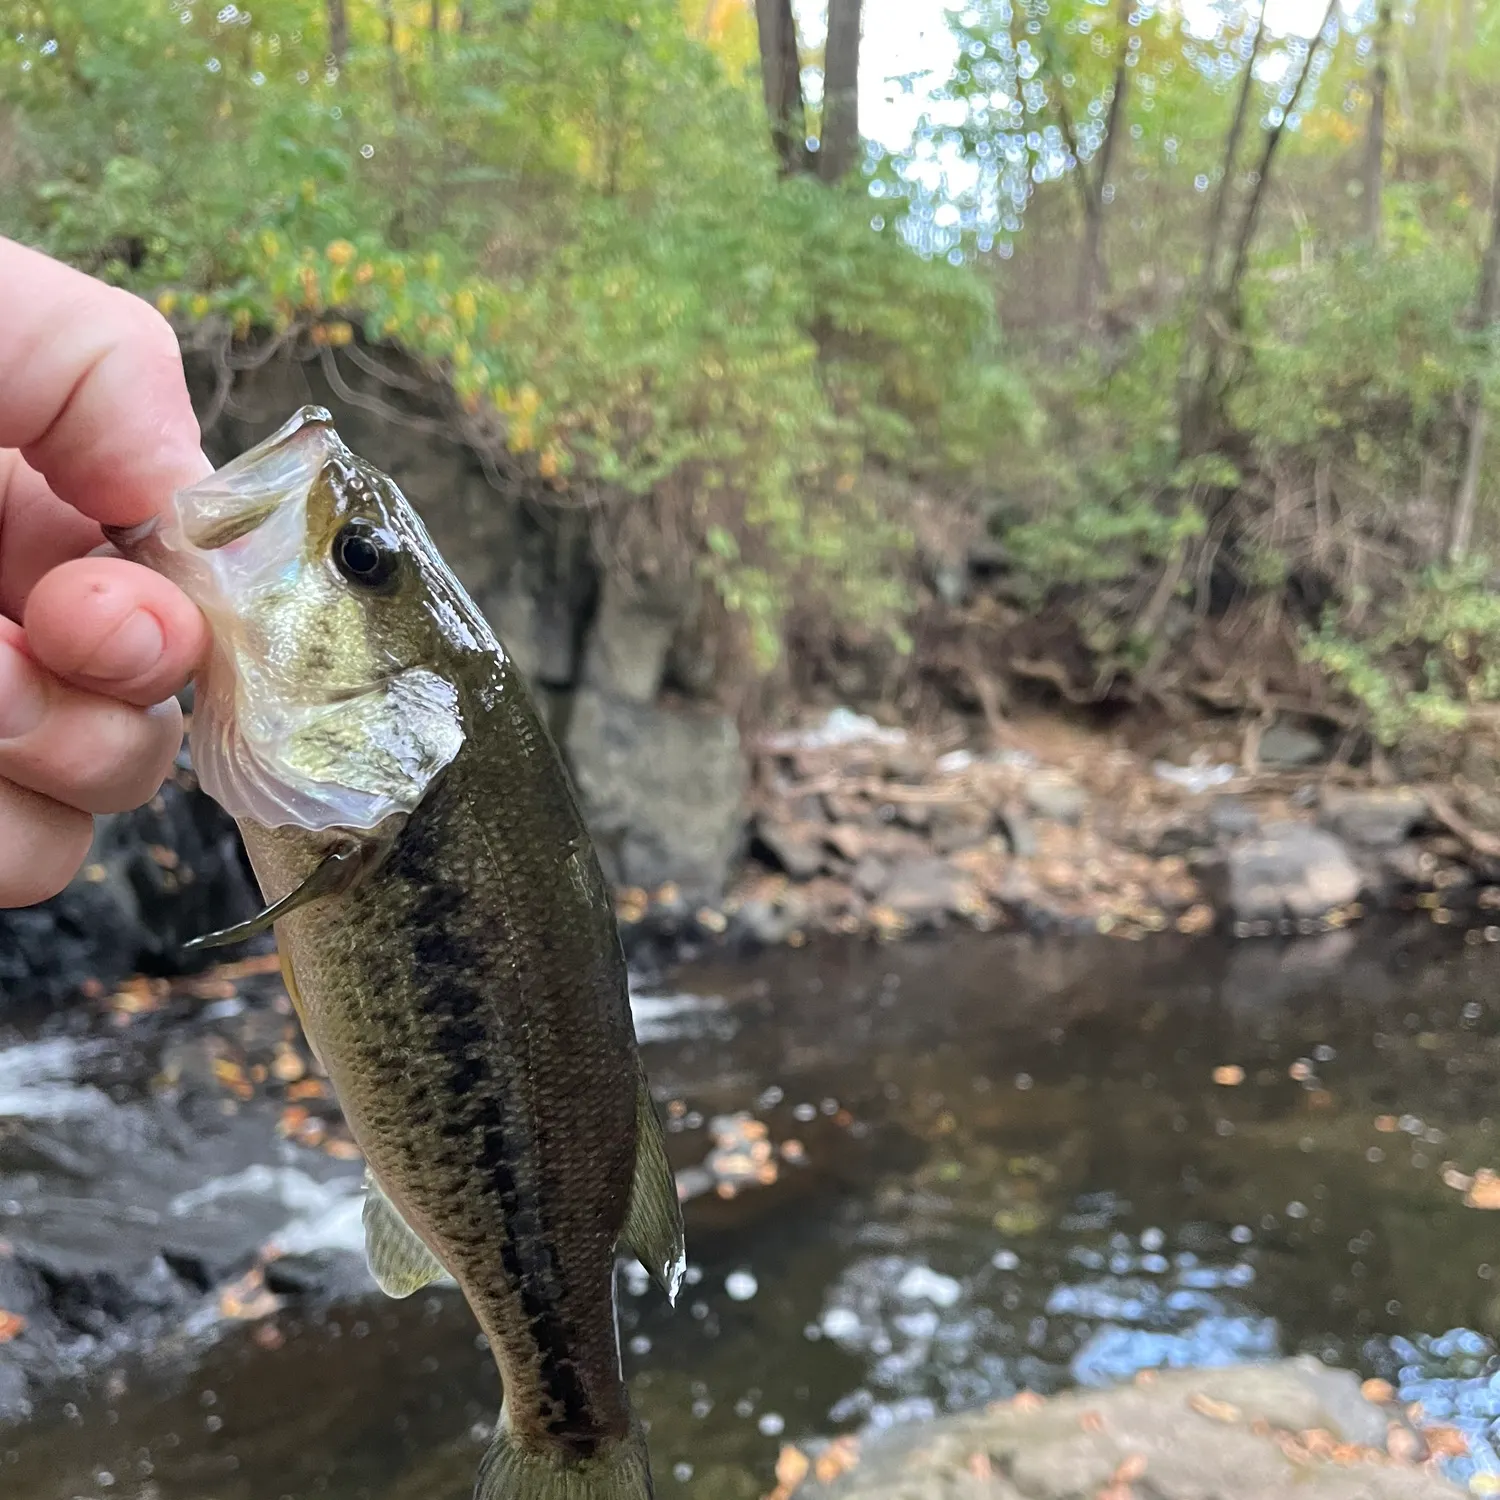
165	303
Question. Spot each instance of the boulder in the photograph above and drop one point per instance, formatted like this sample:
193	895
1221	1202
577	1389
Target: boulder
797	847
1232	817
1289	870
632	635
663	791
1230	1434
1050	794
154	878
1287	745
1377	818
925	891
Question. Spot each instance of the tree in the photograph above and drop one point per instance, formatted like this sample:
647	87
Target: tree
338	31
1486	325
1218	315
1092	174
1374	172
838	137
781	80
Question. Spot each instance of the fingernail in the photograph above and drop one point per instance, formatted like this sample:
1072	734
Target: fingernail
23	699
131	650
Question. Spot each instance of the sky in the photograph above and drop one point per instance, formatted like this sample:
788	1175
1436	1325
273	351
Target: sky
912	37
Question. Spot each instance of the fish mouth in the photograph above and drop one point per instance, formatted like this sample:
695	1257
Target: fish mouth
239	499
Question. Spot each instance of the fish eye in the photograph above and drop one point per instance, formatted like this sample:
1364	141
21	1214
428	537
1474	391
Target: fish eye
365	554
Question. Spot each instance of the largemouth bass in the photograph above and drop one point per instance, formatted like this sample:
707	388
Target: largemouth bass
446	933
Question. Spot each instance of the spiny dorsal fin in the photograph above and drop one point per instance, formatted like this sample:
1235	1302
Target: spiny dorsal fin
653	1225
401	1263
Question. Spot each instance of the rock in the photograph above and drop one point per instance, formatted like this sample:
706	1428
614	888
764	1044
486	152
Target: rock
1188	1435
1180	838
1050	794
1232	818
959	825
1286	745
663	791
1289	870
154	878
632	634
1019	834
797	848
924	891
870	876
1379	818
771	922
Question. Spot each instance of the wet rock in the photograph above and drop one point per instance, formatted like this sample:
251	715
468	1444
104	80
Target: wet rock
663	791
1377	818
925	891
770	921
1290	870
1050	794
1287	745
154	878
796	847
1233	1434
1232	818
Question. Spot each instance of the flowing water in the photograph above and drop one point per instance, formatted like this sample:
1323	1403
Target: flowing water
998	1163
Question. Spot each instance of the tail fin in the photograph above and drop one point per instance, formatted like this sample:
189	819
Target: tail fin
508	1472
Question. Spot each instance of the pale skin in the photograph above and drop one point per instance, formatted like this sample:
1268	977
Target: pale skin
96	428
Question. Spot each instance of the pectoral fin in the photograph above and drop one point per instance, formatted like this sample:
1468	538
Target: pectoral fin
401	1263
338	871
653	1224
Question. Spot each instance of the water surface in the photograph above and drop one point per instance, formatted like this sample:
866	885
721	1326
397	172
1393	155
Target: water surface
999	1162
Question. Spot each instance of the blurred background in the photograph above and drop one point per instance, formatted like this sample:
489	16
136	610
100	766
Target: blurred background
1018	476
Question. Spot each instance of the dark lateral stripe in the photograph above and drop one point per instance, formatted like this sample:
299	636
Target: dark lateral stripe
449	963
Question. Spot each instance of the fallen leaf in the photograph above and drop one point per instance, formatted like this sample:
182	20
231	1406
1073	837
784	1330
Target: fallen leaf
1215	1411
308	1088
1387	1124
1378	1391
791	1468
1091	1421
979	1466
12	1325
1229	1076
1446	1442
342	1150
1300	1070
248	1299
841	1456
1027	1401
1129	1469
1485	1192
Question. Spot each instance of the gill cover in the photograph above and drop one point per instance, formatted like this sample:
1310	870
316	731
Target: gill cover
274	741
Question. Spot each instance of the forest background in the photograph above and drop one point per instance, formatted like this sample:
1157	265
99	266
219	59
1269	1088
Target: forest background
1155	369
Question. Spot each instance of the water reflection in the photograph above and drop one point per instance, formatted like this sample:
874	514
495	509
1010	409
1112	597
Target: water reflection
1015	1165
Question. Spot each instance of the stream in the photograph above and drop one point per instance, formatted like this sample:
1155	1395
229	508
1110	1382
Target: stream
921	1178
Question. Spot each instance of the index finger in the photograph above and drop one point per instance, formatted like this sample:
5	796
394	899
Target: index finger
92	390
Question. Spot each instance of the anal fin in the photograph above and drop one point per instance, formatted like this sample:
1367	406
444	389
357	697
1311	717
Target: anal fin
653	1224
401	1263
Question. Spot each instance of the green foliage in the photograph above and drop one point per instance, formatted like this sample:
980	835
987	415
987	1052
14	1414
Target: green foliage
558	209
1432	660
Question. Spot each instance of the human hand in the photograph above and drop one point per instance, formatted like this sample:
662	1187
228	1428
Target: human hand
95	428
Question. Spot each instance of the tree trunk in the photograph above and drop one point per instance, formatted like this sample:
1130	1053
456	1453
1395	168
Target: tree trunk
838	140
781	81
1198	370
392	55
1380	74
1486	315
338	31
1251	217
1093	276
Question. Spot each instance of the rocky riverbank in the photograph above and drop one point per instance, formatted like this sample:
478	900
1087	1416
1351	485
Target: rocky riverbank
848	827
